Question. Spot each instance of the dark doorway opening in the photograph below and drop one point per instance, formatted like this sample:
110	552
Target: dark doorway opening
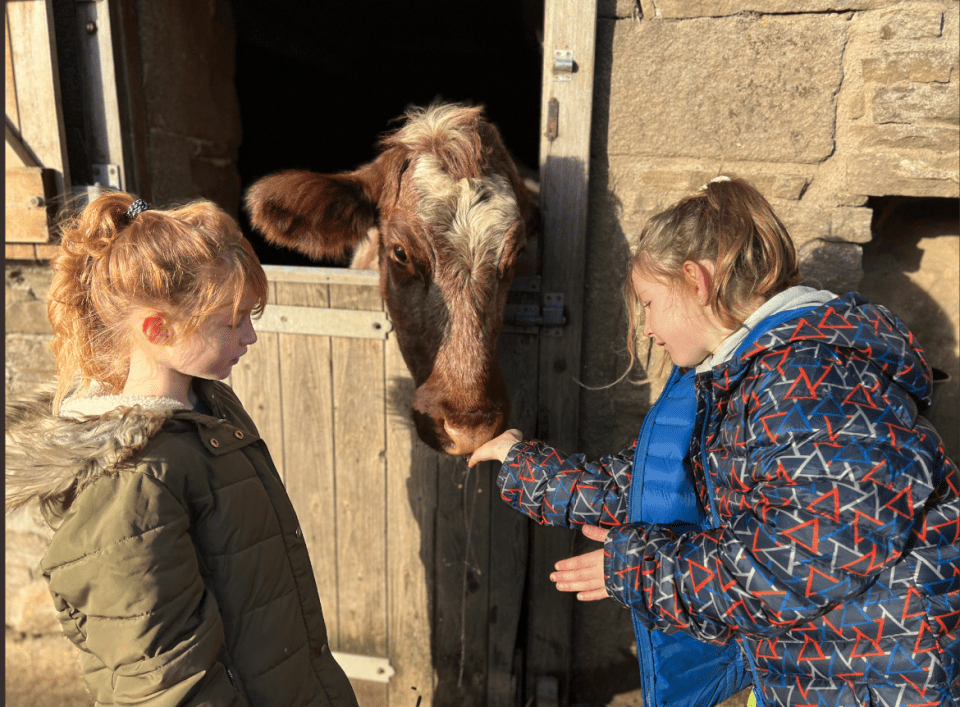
318	83
911	267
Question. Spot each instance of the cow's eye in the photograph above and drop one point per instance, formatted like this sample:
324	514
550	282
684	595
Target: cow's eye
400	254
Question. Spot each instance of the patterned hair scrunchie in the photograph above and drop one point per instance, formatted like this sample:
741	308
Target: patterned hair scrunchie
136	208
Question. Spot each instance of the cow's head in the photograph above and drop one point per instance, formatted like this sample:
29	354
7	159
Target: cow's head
441	212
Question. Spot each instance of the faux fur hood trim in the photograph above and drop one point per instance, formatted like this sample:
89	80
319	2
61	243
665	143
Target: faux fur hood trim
51	458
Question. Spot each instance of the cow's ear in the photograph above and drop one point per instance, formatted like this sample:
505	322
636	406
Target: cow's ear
321	215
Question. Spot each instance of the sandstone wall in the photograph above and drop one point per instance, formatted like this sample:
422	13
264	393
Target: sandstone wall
822	105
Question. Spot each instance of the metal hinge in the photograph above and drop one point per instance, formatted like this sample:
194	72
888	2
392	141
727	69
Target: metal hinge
550	316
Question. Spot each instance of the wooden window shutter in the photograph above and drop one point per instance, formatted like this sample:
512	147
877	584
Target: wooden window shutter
36	162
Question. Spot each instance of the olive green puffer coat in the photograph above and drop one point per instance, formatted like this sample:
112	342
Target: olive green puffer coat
177	564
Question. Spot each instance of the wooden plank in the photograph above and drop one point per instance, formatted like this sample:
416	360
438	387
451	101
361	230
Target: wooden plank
17	153
351	323
36	79
10	85
25	217
412	474
463	556
569	25
509	530
360	484
307	407
256	381
330	276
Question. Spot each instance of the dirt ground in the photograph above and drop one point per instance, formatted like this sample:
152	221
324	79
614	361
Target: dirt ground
29	683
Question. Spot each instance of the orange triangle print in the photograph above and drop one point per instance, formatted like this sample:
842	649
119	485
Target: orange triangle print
814	542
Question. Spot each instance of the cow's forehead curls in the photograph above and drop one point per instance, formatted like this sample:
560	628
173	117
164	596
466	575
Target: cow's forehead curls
471	215
447	132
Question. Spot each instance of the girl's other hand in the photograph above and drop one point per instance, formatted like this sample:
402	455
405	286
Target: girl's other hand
584	573
497	448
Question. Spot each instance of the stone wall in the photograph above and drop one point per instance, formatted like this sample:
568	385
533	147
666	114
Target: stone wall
822	105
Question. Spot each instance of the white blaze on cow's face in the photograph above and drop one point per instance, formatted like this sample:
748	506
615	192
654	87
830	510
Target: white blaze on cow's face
453	295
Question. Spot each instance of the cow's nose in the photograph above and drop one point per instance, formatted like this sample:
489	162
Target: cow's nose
465	439
460	441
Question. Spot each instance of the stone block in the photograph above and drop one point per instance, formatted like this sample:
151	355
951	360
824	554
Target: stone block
917	103
894	137
831	265
676	9
28	363
25	299
666	104
28	280
777	185
27	318
916	22
804	222
905	173
620	9
28	607
933	65
851	225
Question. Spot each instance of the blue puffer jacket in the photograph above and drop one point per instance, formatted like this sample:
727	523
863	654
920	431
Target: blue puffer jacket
676	669
836	553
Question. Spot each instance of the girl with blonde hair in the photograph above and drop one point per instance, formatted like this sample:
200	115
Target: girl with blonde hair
786	515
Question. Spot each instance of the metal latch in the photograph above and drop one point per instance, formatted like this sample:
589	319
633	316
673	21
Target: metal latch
563	64
365	667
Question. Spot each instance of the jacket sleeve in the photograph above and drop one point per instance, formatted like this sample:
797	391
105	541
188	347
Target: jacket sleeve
125	579
542	483
817	494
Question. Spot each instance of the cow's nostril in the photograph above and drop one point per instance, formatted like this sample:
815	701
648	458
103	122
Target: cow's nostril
463	441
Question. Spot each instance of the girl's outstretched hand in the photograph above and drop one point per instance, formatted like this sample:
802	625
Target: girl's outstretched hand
584	573
497	448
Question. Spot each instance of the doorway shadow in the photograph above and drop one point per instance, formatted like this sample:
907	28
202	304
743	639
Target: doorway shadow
911	267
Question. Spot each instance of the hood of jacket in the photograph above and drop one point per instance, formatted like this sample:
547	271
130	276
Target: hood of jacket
856	327
50	457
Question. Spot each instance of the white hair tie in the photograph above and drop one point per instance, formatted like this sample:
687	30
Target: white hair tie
721	178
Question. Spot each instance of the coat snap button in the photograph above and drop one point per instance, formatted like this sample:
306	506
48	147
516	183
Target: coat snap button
238	434
214	442
298	532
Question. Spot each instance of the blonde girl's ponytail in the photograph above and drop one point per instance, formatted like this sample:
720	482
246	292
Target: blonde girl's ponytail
754	254
114	261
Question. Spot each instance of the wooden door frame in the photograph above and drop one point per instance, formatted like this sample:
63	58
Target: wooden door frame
566	113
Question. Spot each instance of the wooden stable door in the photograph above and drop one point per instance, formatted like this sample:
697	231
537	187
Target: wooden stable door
419	564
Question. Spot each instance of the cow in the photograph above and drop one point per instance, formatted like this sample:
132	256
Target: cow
442	213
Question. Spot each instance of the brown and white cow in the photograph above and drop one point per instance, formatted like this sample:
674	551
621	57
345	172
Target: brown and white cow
441	212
